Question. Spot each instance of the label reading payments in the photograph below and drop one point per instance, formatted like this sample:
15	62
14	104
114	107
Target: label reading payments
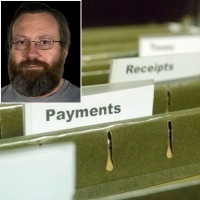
159	68
69	115
110	106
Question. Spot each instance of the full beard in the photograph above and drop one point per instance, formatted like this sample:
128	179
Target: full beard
35	83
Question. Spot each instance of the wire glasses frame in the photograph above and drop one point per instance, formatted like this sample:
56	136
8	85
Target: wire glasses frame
42	44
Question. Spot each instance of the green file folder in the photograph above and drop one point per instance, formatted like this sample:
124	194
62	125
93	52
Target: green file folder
183	189
168	96
176	95
11	120
140	152
102	44
144	158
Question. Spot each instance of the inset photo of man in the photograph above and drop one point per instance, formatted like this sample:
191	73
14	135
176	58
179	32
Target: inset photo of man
41	58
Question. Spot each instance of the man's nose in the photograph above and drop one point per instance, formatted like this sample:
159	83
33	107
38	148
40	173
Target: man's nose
32	51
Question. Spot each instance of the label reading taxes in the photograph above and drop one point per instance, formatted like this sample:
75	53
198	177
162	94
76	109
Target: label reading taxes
93	110
163	45
159	68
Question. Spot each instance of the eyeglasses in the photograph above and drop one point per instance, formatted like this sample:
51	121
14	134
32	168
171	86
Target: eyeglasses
23	43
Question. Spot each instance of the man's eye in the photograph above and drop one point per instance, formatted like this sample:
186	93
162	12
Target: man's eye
45	42
21	42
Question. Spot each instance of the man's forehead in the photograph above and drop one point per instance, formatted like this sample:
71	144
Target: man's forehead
35	25
35	19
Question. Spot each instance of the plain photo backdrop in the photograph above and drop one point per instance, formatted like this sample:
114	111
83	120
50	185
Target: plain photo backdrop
72	12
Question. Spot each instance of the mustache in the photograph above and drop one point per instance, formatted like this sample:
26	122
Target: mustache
37	62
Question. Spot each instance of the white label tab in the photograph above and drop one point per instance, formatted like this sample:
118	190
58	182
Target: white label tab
163	45
112	104
159	68
45	172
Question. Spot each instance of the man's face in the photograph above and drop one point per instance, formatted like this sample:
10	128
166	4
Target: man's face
35	72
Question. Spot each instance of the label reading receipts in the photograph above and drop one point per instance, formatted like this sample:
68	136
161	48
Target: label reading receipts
98	108
163	45
159	68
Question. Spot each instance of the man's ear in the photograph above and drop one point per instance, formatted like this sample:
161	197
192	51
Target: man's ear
65	52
